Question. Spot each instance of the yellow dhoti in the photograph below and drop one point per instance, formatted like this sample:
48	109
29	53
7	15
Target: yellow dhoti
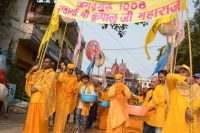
119	129
61	115
66	96
36	113
42	102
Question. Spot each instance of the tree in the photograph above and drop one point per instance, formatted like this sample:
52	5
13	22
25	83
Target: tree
121	28
183	50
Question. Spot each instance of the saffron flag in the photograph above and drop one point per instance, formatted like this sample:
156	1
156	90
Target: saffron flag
163	60
53	26
153	31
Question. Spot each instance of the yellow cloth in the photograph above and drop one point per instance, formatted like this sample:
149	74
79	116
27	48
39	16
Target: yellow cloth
153	31
71	66
42	102
118	76
150	118
53	27
159	100
35	122
103	113
138	12
118	117
176	122
136	124
66	92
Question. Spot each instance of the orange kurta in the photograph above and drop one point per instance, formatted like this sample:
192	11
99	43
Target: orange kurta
159	100
66	99
118	117
42	102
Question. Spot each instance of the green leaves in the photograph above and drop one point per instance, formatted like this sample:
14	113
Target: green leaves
183	51
121	28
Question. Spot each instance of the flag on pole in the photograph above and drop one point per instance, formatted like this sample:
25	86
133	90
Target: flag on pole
153	31
53	27
163	60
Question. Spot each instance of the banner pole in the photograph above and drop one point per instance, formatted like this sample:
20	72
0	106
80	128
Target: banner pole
191	67
63	37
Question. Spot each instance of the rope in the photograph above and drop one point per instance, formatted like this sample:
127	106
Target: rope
190	56
61	46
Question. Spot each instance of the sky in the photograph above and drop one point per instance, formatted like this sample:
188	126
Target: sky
135	59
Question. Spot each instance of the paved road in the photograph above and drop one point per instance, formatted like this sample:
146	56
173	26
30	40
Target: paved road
15	123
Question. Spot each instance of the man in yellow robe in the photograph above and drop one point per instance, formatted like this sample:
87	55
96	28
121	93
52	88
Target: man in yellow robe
160	102
150	118
66	93
79	75
40	87
118	116
179	117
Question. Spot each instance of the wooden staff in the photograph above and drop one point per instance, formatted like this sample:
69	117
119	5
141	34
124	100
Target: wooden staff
40	57
76	59
191	68
175	60
63	37
43	55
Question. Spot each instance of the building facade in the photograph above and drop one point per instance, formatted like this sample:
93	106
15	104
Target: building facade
20	37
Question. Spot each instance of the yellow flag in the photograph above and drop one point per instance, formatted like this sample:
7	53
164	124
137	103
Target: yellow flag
53	26
153	30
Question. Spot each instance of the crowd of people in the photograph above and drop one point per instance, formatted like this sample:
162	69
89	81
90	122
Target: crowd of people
171	109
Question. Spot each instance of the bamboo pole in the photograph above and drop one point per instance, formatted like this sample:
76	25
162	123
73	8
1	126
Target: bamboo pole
191	67
43	55
61	45
175	60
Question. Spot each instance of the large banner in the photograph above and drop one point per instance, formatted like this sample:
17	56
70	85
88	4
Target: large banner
119	11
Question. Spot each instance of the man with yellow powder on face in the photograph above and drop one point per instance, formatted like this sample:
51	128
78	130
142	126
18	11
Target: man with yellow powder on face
40	87
118	116
66	93
179	117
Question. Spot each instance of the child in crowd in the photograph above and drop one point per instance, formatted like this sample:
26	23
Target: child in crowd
82	109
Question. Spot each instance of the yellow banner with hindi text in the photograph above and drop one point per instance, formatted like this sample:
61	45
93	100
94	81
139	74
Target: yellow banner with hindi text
119	11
